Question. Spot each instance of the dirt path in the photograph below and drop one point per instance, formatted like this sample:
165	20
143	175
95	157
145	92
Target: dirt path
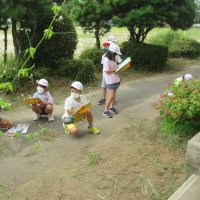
128	160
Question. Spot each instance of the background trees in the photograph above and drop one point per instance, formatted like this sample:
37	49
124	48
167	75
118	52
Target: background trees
93	16
141	16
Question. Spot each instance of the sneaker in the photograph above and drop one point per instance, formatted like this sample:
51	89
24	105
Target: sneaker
37	117
94	130
113	110
50	117
66	129
102	101
107	114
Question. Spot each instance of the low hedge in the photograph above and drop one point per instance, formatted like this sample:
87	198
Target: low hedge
178	43
146	57
77	69
93	54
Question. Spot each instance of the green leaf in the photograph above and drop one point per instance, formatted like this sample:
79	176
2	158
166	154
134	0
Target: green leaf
1	133
5	105
32	51
36	146
23	72
6	86
48	33
56	9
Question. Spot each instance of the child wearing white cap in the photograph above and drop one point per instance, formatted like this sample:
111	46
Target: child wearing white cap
111	78
185	77
118	59
72	104
46	106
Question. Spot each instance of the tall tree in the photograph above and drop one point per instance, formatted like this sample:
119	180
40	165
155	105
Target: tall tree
4	28
141	16
93	16
23	13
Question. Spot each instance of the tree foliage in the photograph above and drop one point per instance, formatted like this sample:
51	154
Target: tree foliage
93	16
141	16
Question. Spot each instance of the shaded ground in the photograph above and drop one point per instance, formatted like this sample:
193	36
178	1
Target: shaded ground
128	160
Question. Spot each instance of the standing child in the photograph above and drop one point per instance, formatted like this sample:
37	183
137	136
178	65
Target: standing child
112	79
46	106
111	40
72	104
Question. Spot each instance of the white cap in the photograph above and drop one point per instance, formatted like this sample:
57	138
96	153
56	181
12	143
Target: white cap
43	82
187	77
111	38
115	48
77	85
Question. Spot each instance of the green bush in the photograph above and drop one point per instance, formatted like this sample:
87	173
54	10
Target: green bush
146	57
180	112
61	46
9	71
178	43
77	69
93	54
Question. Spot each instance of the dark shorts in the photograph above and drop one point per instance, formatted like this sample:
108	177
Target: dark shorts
113	86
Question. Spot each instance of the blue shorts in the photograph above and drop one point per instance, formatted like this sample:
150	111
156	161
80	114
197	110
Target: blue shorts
113	86
103	84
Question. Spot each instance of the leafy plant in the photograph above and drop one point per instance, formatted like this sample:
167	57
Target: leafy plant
93	54
180	111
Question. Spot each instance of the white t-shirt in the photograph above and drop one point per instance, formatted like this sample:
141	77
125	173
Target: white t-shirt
71	103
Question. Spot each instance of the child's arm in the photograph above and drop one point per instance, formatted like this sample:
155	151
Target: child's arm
111	71
74	110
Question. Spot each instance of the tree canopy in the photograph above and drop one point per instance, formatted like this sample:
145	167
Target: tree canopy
141	16
93	16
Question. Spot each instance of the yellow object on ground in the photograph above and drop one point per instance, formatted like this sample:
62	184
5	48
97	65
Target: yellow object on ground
94	130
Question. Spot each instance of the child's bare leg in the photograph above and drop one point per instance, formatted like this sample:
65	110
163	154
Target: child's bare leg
74	131
49	109
36	109
110	100
104	90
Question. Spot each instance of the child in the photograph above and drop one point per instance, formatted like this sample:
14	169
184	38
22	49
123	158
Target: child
185	77
5	123
112	79
46	106
111	40
72	104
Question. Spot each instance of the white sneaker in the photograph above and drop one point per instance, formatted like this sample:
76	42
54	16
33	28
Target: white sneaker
37	117
50	117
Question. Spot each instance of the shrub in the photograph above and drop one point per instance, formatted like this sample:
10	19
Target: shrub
180	112
61	45
77	69
9	71
179	44
146	56
93	54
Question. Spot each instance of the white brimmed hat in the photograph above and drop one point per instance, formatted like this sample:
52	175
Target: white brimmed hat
188	77
43	82
112	38
115	48
77	85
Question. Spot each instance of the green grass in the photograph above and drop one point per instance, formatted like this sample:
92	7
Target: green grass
94	159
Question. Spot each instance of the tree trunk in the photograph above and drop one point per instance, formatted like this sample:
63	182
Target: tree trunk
16	39
97	38
5	30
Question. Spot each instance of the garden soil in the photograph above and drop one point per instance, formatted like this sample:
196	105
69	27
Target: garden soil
129	160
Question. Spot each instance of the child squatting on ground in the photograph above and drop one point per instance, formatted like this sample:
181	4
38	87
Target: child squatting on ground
72	104
111	78
111	40
46	106
5	123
